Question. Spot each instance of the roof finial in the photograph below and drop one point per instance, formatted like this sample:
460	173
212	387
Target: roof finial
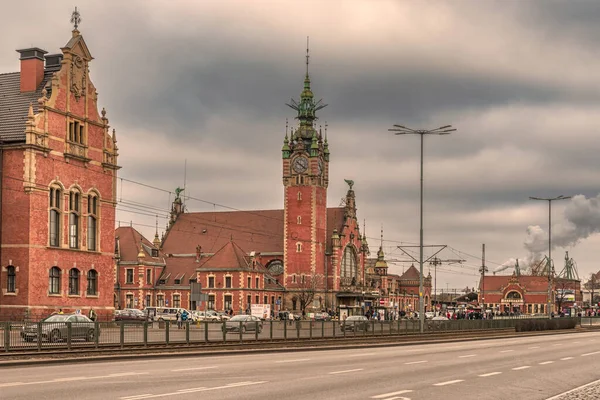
382	235
307	56
75	18
286	127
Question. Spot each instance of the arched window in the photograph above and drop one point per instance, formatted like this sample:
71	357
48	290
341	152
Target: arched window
54	281
55	213
299	220
92	222
298	247
513	295
73	281
74	208
11	286
92	278
299	195
349	264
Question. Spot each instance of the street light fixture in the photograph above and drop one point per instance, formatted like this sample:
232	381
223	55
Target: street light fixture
402	130
550	269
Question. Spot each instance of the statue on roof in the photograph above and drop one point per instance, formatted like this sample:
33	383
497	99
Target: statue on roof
178	192
349	182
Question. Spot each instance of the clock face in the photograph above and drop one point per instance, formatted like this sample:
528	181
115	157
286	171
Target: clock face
276	268
300	165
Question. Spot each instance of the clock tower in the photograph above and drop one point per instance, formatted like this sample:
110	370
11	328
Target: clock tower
305	179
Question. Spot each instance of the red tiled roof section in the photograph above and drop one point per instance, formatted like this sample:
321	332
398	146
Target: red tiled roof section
230	256
176	266
260	231
253	230
530	283
129	243
410	274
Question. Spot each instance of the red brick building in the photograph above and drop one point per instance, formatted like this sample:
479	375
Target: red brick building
59	169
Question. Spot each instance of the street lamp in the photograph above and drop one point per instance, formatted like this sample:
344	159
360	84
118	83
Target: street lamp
550	200
402	130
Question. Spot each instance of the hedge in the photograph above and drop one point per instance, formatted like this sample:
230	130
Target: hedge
545	324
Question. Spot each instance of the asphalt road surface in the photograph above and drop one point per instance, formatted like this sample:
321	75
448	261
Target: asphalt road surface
531	368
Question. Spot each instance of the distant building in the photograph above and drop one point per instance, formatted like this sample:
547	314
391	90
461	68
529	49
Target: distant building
59	171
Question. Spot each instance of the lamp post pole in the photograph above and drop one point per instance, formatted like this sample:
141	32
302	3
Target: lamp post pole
550	269
402	130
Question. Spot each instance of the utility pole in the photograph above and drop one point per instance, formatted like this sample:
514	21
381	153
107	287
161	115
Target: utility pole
402	130
436	261
550	267
483	269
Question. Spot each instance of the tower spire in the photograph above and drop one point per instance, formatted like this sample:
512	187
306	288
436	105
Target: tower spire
307	57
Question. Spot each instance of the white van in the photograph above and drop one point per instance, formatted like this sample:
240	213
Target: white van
170	314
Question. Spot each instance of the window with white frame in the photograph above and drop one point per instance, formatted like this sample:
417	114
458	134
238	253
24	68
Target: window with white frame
176	300
11	274
55	215
92	222
74	208
54	281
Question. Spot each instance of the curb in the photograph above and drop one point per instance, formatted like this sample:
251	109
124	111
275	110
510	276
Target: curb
185	352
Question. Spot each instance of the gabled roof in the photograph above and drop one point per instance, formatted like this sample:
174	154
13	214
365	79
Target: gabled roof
410	274
230	256
130	241
14	105
531	283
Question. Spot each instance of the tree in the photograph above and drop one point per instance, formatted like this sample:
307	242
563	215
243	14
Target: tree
307	289
593	284
564	288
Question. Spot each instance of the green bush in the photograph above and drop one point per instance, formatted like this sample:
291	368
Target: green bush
529	325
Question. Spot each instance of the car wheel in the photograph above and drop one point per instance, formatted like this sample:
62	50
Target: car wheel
55	336
91	335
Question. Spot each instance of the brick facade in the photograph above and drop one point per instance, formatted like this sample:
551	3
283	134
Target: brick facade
63	159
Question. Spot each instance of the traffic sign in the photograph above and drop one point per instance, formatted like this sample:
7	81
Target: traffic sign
381	302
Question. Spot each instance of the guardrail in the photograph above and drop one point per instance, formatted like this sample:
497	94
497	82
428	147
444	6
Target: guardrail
51	336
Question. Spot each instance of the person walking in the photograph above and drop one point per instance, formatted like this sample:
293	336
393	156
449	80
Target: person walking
92	315
178	318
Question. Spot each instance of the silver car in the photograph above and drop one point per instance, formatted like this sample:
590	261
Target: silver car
56	328
243	322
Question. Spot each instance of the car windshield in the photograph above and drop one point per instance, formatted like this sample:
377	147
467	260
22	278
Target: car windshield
239	318
57	318
355	318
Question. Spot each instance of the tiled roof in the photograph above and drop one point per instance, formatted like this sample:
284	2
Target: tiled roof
14	105
129	244
230	256
530	283
410	274
260	231
178	266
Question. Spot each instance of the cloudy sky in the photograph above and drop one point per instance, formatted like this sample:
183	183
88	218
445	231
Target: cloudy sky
207	81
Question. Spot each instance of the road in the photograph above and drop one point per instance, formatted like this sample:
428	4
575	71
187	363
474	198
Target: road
518	368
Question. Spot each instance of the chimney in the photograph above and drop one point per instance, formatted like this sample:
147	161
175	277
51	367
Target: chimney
32	68
53	61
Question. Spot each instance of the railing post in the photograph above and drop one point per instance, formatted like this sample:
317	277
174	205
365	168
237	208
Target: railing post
205	331
187	332
241	336
69	332
285	329
122	333
145	333
96	333
256	330
271	329
7	336
310	329
297	329
167	332
333	325
322	329
39	336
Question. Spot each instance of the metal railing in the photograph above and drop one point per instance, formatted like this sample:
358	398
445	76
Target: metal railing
66	335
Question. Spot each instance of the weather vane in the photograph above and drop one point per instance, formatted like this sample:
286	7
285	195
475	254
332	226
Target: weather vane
75	18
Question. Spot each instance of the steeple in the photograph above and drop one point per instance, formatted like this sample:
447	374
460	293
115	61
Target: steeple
286	150
381	265
307	107
156	241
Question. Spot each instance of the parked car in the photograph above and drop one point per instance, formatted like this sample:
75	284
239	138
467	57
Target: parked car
170	314
205	316
355	323
130	314
322	316
246	322
286	316
223	316
56	328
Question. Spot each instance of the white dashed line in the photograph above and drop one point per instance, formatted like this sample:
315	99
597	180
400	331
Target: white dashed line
590	354
566	358
506	351
291	361
360	355
534	347
557	344
448	382
546	362
383	396
415	362
191	369
520	368
346	371
490	374
137	396
467	356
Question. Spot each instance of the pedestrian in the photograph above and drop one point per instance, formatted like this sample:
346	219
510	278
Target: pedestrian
92	315
178	318
184	316
60	311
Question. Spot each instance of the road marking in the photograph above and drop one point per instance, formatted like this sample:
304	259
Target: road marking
566	358
191	369
490	374
191	390
506	351
382	396
75	378
557	344
534	347
415	362
546	362
136	396
363	354
346	371
11	384
520	368
590	354
72	379
291	361
448	382
467	356
576	342
572	390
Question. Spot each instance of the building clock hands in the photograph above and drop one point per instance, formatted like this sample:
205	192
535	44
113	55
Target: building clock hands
300	165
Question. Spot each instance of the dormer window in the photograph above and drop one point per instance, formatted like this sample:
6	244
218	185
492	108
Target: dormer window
154	252
76	132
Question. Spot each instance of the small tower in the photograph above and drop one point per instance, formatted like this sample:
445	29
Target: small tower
381	266
156	241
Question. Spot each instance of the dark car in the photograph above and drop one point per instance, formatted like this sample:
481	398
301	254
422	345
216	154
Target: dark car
322	316
243	322
355	323
130	314
56	328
